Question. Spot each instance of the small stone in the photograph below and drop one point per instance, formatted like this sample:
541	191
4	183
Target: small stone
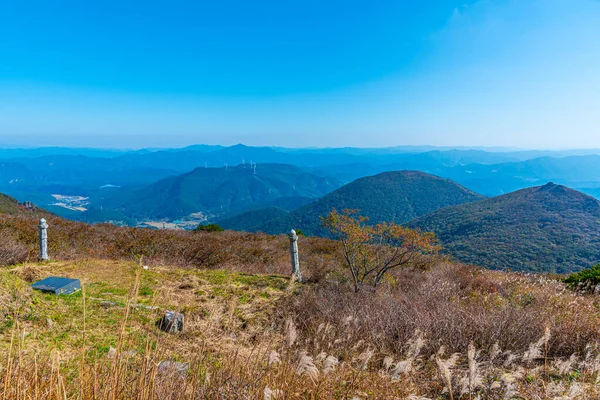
49	323
145	267
147	307
107	304
171	322
112	352
173	369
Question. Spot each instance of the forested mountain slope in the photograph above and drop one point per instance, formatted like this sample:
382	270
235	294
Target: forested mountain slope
547	229
387	197
219	192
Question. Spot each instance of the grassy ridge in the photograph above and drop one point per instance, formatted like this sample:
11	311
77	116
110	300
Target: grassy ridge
451	331
203	295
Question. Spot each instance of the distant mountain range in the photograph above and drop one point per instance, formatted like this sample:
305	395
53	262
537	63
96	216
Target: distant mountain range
388	197
546	229
214	192
37	174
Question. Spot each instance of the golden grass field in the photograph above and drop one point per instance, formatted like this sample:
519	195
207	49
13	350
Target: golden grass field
243	339
450	331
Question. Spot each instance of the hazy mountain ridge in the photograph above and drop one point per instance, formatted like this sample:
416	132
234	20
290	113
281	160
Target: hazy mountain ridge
219	192
579	172
36	174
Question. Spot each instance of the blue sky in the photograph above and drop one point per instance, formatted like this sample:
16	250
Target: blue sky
519	73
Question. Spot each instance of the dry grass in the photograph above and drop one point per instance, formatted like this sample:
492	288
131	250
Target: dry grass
452	305
453	332
238	251
256	336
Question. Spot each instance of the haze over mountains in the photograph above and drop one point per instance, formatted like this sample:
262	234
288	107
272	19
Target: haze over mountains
460	194
216	192
37	174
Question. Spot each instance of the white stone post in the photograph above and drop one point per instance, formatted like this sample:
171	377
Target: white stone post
43	240
294	255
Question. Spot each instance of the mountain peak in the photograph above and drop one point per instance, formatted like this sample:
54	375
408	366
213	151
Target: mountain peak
219	192
553	188
548	186
239	146
551	228
395	196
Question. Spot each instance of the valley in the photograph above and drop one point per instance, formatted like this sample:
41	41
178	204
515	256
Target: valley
73	203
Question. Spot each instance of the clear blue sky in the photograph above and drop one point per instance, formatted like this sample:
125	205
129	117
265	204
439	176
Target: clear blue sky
300	73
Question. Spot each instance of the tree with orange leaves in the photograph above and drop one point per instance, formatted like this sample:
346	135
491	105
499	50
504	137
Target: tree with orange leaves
371	251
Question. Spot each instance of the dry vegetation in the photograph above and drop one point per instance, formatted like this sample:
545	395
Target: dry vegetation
449	332
250	253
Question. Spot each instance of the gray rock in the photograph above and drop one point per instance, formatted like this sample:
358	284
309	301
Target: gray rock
171	322
107	304
147	307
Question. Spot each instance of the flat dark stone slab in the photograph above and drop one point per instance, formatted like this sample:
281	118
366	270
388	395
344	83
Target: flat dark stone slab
58	285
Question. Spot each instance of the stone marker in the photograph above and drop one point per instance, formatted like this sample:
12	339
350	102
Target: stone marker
171	322
294	255
43	240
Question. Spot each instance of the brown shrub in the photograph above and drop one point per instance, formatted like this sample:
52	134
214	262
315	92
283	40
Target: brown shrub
29	273
252	253
452	305
11	250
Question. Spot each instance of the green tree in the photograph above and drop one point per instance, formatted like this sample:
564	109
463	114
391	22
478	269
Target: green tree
209	228
590	275
370	252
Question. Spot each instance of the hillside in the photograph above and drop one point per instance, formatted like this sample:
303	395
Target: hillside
390	196
252	221
216	192
550	228
250	330
10	205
